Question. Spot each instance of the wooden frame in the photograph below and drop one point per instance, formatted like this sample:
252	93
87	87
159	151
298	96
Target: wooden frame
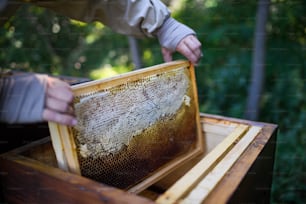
205	175
28	174
63	138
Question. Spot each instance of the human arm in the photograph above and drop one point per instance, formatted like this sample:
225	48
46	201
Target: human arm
142	18
30	98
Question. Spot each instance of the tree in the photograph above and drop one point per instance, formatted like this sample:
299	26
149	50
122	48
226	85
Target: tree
134	52
258	61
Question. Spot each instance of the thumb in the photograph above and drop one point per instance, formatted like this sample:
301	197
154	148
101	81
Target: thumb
167	54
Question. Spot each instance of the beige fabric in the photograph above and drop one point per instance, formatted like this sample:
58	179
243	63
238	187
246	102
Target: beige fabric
138	18
130	17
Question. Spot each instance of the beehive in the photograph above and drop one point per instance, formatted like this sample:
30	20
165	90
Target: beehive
236	167
133	129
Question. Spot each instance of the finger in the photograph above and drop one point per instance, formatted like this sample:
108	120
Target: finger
194	46
187	52
167	54
61	93
58	105
64	119
190	47
60	90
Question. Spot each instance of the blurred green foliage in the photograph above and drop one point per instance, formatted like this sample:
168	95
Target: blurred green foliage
38	40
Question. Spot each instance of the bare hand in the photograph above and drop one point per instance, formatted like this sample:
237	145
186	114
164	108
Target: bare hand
190	47
58	103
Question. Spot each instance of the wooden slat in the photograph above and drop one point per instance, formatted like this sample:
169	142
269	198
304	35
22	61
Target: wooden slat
200	170
70	150
85	88
58	146
200	192
64	147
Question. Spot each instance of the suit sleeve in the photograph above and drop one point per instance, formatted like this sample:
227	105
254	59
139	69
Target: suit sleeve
22	98
138	18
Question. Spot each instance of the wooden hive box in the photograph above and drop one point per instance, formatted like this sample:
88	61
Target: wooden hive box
235	167
232	162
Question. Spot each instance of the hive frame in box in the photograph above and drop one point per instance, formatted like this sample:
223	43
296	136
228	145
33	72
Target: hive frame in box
204	176
63	139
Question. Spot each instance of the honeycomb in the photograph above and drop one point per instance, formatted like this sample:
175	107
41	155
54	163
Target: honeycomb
128	131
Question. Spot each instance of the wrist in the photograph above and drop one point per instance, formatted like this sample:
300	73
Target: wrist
172	32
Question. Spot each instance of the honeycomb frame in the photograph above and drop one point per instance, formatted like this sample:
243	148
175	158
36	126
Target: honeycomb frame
134	128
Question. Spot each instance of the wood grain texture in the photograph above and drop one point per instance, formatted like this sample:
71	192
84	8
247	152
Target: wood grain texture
250	179
207	184
28	181
202	168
